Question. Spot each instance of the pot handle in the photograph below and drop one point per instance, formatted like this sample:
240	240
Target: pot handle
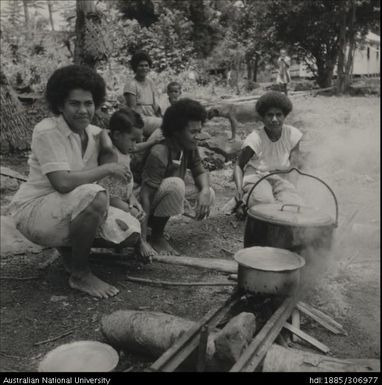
290	205
301	173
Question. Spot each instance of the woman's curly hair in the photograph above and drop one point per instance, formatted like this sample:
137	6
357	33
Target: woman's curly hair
139	57
180	113
124	120
273	99
71	77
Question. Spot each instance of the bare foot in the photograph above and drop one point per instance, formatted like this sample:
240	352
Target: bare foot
146	251
163	247
90	284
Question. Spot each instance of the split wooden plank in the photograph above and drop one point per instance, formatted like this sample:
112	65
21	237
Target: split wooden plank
280	359
223	265
306	337
321	318
189	341
323	315
257	349
295	323
176	283
217	264
202	350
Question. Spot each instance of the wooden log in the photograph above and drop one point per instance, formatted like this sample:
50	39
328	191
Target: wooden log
306	337
223	265
280	359
176	283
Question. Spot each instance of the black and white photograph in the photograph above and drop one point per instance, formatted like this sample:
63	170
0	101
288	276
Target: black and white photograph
190	186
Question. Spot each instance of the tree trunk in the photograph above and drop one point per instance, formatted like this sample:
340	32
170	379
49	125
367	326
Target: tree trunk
91	46
16	131
26	14
341	55
325	73
50	9
255	67
351	52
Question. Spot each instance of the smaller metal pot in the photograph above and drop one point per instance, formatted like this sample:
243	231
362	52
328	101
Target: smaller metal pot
268	270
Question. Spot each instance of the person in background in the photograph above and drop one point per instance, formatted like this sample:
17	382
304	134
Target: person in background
140	93
60	205
283	76
174	91
163	188
273	148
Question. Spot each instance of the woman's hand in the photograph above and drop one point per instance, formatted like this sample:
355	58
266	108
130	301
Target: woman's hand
204	203
239	195
120	171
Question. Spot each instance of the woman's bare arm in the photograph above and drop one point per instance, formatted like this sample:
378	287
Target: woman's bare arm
131	100
295	157
245	155
66	181
107	150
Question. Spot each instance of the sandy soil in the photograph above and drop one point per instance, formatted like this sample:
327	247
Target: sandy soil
341	145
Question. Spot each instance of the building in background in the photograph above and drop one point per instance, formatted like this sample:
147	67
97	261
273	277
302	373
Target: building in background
366	61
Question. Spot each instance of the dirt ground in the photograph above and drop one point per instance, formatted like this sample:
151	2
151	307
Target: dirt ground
341	145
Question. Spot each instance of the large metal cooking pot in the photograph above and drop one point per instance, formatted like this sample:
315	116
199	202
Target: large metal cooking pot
268	270
288	226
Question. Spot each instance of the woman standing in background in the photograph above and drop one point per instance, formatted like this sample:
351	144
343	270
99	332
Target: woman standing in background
140	93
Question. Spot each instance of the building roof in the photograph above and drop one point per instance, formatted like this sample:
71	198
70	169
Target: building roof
373	37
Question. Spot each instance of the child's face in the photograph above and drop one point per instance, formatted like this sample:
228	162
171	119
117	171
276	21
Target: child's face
283	53
125	141
173	93
274	120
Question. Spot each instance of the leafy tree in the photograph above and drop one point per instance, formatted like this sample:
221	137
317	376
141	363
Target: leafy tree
12	14
141	10
358	17
312	28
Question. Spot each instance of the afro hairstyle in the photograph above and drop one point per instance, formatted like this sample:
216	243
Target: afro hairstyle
273	99
71	77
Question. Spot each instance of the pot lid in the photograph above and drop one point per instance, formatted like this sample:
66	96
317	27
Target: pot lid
80	356
288	214
269	259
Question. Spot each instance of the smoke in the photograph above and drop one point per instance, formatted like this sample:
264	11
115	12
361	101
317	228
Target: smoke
341	146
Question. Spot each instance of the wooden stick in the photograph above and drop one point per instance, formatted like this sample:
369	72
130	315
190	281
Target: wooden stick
217	264
226	250
202	349
18	278
11	356
320	317
306	337
54	338
295	323
175	283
